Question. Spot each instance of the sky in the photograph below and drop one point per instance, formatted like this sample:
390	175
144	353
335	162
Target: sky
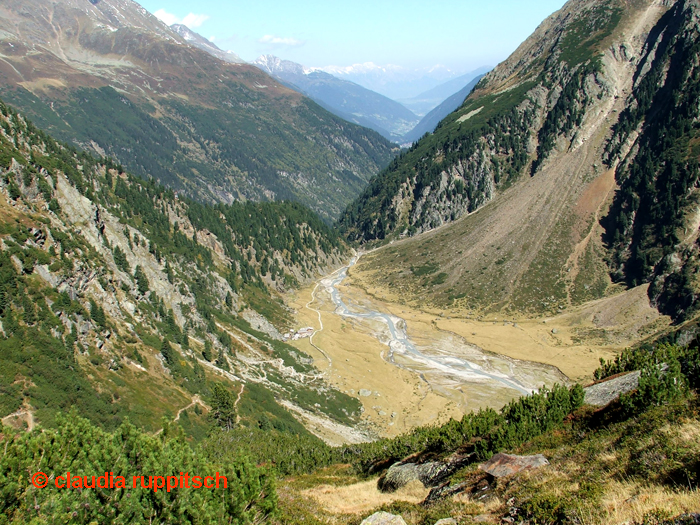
459	34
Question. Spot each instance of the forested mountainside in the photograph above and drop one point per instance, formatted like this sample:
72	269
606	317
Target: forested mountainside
600	102
119	299
112	79
505	129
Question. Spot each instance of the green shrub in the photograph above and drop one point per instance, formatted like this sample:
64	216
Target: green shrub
78	447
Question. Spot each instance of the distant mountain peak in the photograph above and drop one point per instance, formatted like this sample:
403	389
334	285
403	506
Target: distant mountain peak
274	66
345	98
198	41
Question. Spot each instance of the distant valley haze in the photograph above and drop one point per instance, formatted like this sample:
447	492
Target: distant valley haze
397	49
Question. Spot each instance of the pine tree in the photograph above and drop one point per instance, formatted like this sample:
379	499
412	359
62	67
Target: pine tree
142	283
97	314
223	407
207	352
120	260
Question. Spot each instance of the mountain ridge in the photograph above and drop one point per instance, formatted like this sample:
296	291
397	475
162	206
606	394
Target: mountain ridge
346	99
430	121
430	99
202	43
545	138
215	130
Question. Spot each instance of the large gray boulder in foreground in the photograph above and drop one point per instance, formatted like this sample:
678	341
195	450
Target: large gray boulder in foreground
430	474
604	393
502	465
383	518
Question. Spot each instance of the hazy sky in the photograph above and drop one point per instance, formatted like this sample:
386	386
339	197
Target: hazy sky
460	34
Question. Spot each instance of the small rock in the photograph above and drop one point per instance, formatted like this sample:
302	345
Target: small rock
555	331
384	518
365	393
446	521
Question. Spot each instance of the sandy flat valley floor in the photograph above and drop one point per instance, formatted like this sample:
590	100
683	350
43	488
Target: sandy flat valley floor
399	393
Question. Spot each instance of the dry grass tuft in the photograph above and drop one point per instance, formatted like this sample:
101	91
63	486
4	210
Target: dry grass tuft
364	496
628	502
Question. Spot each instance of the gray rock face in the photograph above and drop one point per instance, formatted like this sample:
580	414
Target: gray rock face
604	393
259	323
384	518
430	474
502	465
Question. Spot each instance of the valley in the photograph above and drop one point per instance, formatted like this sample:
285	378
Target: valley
498	323
412	366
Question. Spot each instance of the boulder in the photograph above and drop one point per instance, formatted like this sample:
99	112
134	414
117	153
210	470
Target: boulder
445	491
602	394
446	521
430	474
384	518
502	465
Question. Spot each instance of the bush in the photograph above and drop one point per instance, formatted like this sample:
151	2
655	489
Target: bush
78	447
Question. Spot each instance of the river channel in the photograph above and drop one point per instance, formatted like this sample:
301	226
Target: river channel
451	365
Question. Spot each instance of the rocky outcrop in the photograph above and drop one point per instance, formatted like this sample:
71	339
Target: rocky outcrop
502	465
430	474
603	393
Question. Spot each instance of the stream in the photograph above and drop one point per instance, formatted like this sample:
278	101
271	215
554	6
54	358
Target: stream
444	360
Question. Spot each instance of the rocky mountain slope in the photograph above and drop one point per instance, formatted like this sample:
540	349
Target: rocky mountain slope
117	298
573	161
343	98
111	78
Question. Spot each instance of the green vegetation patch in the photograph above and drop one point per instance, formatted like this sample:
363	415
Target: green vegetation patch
583	37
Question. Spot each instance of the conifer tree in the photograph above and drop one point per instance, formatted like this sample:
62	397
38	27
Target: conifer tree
223	407
142	283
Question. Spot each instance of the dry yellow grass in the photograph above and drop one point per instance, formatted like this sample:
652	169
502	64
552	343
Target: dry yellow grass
364	496
629	502
573	341
357	363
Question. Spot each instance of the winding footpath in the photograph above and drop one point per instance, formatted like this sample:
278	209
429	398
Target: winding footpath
320	322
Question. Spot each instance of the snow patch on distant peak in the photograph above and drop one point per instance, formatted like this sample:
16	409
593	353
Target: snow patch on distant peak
275	65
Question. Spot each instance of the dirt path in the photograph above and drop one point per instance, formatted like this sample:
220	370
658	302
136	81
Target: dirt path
25	414
320	322
235	405
196	400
